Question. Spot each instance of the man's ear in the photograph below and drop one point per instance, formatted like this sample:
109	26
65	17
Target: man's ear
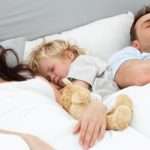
136	44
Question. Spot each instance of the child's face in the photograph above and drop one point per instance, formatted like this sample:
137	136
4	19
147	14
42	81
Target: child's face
54	69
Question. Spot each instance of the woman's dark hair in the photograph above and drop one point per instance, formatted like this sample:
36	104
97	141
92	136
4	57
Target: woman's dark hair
18	72
144	11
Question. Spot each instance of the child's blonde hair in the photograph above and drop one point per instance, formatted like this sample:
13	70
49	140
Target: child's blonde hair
55	48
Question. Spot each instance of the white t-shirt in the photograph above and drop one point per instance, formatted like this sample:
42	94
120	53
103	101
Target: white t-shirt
122	56
91	70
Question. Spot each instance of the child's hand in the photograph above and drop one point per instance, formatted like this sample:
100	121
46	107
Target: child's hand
92	124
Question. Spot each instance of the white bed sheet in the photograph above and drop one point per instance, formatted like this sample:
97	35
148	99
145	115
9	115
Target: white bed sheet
30	112
140	96
8	142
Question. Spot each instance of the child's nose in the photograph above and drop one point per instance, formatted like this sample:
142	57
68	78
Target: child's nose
48	78
52	76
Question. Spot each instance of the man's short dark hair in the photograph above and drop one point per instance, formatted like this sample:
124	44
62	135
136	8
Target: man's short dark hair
145	10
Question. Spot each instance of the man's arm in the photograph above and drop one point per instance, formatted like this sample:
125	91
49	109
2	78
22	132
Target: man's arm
133	72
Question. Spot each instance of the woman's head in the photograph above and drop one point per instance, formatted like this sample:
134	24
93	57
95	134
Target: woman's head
52	59
18	72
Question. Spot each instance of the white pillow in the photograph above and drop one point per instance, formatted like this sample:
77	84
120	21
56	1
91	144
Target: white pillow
17	44
101	38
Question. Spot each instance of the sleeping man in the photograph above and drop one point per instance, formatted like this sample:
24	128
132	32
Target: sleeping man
131	65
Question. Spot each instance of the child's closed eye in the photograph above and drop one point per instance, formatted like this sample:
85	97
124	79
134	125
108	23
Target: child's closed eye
50	69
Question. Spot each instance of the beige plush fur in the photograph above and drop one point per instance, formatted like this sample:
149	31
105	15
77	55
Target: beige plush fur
75	99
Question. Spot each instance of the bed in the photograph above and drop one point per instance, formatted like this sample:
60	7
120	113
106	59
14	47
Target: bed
100	27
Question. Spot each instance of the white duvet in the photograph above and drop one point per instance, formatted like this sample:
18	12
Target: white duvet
24	110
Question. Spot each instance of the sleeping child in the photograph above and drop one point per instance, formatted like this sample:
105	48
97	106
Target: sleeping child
59	59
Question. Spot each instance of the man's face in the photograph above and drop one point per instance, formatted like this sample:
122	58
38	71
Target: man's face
143	33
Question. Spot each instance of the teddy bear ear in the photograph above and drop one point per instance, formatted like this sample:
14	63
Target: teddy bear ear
76	99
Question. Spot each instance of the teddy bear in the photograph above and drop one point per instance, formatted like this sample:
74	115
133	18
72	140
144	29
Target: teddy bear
75	99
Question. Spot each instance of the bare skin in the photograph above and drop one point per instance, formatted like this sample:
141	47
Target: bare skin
133	72
92	124
34	142
137	72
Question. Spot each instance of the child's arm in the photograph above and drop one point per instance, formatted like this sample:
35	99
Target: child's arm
93	117
81	83
92	124
85	69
